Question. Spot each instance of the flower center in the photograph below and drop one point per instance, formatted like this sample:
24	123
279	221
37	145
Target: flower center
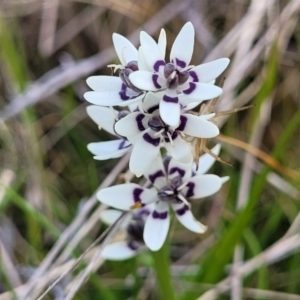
132	66
174	77
171	192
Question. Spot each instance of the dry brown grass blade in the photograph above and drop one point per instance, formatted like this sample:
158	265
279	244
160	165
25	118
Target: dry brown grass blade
267	159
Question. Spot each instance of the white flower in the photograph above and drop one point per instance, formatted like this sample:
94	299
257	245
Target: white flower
179	81
133	226
111	90
148	133
174	186
106	118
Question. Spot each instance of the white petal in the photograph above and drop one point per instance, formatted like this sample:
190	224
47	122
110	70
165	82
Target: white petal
156	173
118	251
169	108
144	152
183	46
124	49
198	91
181	150
224	179
176	168
203	186
132	124
209	71
104	117
109	149
110	216
151	102
197	126
142	62
147	81
152	52
110	98
157	226
186	218
104	83
206	161
185	100
162	42
124	196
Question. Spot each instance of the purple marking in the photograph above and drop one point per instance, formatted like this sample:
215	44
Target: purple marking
183	121
122	93
181	211
149	139
156	175
123	144
136	195
190	191
155	82
143	212
139	120
132	245
170	99
159	215
158	64
194	76
190	89
176	169
152	109
180	63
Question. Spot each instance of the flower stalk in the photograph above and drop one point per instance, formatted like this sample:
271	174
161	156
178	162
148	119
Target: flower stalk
163	273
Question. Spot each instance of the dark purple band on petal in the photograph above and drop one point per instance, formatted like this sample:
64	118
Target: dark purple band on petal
155	82
180	63
149	139
194	76
190	89
139	120
136	195
158	64
156	175
122	93
152	109
170	99
176	169
181	211
143	212
123	144
183	121
159	215
133	245
190	190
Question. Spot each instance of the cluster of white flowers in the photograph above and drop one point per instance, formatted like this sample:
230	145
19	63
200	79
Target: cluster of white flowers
156	99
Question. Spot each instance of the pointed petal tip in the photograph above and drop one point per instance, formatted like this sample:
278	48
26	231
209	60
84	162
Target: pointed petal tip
224	179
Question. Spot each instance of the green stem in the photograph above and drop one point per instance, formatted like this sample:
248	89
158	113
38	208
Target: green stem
163	276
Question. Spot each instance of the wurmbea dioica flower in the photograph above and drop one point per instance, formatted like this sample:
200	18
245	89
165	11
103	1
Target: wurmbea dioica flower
176	77
132	226
112	90
106	118
175	184
148	133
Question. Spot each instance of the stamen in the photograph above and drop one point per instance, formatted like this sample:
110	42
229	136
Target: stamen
169	192
170	138
136	205
159	132
115	67
184	200
182	186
